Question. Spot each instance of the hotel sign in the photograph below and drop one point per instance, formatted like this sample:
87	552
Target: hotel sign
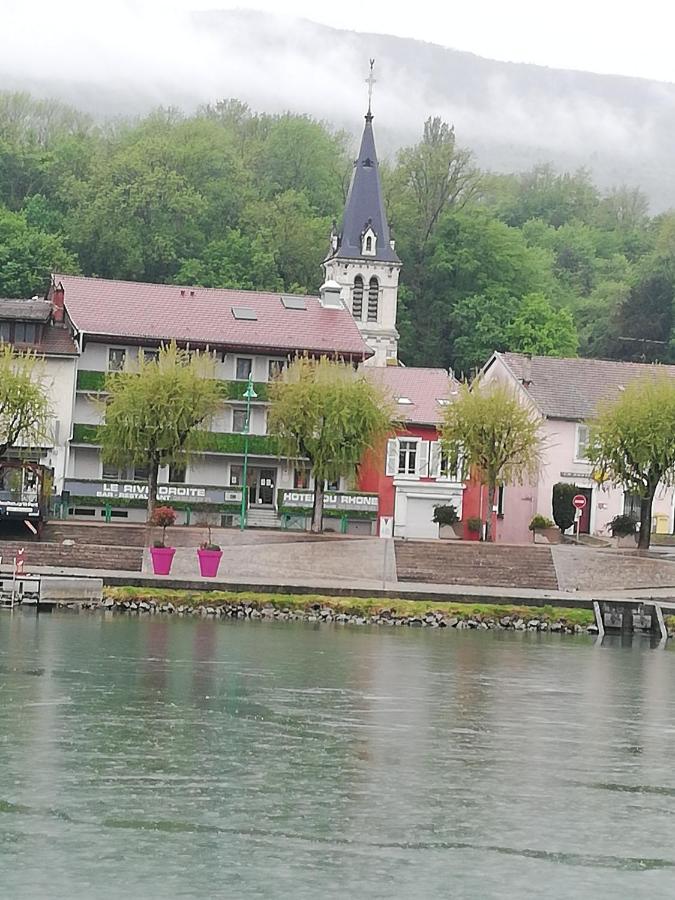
344	502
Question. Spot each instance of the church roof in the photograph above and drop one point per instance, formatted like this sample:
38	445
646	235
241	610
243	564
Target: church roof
256	321
364	206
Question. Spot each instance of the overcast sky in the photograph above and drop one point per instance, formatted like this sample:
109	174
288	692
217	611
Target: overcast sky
611	36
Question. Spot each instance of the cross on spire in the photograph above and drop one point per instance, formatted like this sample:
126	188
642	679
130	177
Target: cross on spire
370	81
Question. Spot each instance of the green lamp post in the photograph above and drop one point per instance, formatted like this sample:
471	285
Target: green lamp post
249	394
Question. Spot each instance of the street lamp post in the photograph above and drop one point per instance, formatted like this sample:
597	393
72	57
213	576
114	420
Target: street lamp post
249	394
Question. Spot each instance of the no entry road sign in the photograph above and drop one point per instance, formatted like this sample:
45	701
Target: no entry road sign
579	501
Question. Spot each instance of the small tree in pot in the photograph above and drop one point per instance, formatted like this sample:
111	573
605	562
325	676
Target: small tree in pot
162	556
624	529
209	554
445	516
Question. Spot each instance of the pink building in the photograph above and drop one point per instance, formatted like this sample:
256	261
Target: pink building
565	393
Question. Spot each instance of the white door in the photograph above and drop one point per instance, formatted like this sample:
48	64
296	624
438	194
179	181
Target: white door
419	523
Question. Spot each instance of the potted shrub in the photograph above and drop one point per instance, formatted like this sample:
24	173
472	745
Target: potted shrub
624	529
209	555
445	516
545	527
162	556
474	525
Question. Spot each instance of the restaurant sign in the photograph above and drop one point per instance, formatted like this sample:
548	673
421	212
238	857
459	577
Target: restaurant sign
138	490
344	502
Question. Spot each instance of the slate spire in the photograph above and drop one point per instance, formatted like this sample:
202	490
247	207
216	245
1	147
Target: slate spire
364	208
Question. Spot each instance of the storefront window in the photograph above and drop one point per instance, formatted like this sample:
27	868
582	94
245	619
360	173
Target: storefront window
301	479
236	474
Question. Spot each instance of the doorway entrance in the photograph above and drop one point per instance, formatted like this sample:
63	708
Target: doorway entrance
261	484
585	520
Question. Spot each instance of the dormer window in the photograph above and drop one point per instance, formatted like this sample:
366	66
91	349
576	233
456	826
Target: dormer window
369	242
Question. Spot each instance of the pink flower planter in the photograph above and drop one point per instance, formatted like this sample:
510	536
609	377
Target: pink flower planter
209	560
162	557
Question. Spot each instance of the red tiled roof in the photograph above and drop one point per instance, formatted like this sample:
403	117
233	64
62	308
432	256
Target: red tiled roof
423	387
159	312
57	340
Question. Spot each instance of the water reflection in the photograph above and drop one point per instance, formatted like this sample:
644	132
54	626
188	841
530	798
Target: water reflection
266	759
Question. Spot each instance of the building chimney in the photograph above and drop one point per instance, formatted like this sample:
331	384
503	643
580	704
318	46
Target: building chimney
58	302
526	380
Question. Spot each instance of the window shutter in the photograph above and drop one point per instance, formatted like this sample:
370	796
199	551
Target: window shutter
423	459
392	457
435	460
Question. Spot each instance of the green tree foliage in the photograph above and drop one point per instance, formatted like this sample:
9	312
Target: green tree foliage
563	509
156	413
632	442
28	255
329	414
539	329
25	410
226	197
495	434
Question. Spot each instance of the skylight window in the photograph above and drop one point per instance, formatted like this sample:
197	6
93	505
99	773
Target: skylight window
245	313
406	401
294	302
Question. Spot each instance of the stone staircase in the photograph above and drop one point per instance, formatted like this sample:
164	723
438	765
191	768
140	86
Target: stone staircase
262	517
473	563
79	555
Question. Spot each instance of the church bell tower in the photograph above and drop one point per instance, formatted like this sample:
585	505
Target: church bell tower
362	258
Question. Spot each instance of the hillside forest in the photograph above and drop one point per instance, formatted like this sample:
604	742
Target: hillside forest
539	261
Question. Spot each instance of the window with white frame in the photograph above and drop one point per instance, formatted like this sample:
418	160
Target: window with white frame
582	441
439	464
407	458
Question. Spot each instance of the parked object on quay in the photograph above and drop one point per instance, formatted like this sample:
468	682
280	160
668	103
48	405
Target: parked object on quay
162	556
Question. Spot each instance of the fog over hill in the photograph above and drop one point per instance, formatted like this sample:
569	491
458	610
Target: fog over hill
511	115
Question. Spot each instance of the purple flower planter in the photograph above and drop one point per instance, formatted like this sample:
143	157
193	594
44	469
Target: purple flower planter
162	557
209	560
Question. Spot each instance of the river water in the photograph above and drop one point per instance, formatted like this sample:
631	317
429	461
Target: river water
161	758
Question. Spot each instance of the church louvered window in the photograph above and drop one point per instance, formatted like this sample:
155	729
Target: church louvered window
373	299
357	298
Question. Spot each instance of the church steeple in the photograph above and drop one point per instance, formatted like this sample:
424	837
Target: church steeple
362	258
365	230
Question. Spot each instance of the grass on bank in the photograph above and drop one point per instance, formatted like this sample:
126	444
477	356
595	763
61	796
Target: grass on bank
356	606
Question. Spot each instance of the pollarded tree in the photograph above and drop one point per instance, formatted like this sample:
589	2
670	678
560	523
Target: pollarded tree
331	415
494	433
156	413
632	442
25	411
